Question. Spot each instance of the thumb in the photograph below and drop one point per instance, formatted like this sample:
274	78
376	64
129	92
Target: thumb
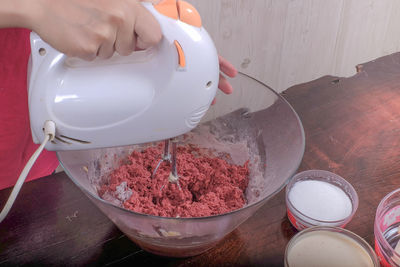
147	29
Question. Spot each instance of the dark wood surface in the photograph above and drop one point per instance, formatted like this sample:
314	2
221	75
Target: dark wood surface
352	128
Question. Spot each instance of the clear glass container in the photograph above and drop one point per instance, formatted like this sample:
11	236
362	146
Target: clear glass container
254	115
386	229
325	246
300	220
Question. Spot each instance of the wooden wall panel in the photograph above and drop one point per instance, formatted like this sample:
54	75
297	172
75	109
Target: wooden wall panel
286	42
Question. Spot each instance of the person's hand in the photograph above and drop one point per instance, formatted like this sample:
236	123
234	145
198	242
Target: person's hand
90	28
228	69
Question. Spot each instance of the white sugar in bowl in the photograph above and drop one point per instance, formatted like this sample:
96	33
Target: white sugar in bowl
320	198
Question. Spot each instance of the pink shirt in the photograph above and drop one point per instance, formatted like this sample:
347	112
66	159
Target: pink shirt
16	144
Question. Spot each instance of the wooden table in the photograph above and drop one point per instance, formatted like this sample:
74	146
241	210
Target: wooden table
352	128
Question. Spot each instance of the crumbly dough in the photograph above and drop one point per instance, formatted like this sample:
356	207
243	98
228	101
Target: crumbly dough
209	185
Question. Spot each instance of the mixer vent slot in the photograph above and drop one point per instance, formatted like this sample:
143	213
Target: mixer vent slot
62	138
196	116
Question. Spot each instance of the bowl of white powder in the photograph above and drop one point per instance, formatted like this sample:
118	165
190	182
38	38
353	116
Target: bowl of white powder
320	198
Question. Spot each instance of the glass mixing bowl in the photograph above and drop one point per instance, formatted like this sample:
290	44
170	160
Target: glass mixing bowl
268	132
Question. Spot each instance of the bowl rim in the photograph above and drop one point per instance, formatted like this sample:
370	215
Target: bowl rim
292	172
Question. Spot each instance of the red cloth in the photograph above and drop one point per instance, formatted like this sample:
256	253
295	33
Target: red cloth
16	144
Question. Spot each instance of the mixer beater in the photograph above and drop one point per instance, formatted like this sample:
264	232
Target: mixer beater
170	157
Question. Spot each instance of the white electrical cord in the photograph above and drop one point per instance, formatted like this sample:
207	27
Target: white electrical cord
49	129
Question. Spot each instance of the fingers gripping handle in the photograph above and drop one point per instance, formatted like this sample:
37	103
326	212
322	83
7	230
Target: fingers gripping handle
40	49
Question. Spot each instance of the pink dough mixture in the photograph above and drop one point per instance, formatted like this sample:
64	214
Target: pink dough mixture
209	185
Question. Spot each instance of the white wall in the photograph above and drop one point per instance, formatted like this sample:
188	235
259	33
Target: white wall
286	42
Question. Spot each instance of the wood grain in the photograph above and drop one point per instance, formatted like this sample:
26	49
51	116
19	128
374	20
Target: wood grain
352	128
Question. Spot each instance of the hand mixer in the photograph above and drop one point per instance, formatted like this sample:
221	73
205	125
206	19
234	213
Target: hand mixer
148	96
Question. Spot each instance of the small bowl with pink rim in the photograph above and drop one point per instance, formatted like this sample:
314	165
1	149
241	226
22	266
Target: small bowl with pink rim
320	198
387	229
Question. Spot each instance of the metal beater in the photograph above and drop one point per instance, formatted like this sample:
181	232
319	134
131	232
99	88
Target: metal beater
173	175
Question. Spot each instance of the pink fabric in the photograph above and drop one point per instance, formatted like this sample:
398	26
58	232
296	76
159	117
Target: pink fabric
16	144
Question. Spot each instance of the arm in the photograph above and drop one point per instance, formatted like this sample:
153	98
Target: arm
14	13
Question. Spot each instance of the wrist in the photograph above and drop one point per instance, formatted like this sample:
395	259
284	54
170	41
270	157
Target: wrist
17	13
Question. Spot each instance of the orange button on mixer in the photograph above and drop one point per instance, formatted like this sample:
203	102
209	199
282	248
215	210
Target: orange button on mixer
167	8
181	55
188	14
179	10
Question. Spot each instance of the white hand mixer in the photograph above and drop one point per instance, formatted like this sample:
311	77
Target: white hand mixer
148	96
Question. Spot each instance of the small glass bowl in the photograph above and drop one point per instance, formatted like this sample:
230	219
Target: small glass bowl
301	221
363	245
386	229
